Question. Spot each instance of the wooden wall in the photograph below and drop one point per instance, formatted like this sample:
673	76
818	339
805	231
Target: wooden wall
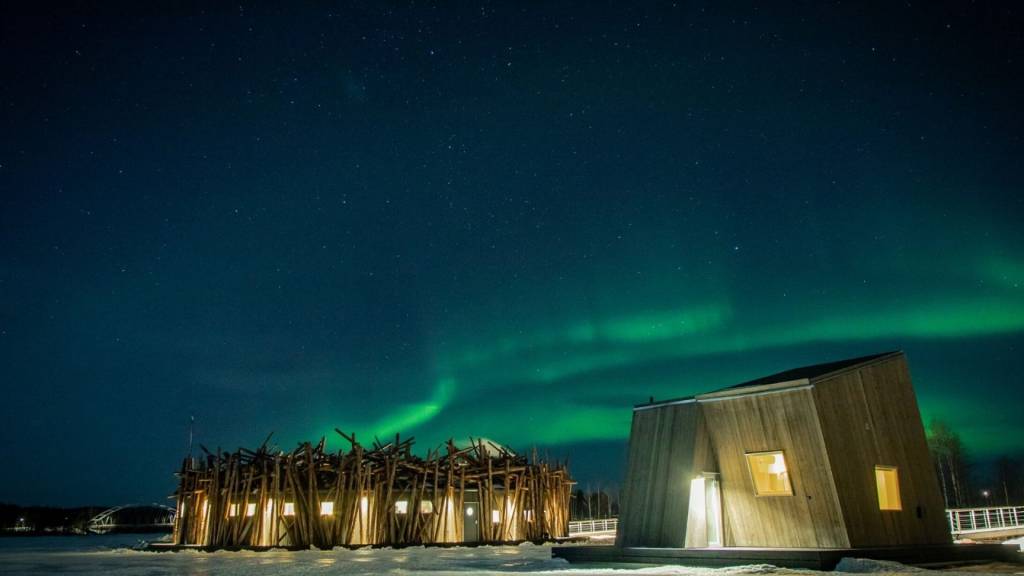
869	416
782	420
668	447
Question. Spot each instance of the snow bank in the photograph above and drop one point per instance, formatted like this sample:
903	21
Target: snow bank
487	560
865	565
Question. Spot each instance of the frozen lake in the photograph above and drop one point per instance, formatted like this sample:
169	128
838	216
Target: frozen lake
95	555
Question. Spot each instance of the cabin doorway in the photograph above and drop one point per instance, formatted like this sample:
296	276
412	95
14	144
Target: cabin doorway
704	516
471	522
713	509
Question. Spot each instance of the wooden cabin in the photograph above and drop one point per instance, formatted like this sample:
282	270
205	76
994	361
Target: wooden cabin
826	456
384	495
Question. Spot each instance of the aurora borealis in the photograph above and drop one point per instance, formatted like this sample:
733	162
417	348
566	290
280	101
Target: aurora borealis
494	220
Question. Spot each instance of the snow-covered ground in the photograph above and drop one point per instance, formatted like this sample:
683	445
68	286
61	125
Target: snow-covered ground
29	557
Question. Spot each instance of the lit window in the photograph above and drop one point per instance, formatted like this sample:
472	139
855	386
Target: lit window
402	507
769	474
289	509
888	481
364	505
495	516
233	510
326	508
469	511
250	509
528	514
426	507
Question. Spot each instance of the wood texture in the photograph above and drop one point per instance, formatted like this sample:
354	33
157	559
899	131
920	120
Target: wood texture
529	497
833	428
870	417
779	420
668	447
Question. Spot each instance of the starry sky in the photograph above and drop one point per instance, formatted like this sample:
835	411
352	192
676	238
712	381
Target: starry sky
501	220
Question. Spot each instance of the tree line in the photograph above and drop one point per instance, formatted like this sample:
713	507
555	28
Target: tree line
964	480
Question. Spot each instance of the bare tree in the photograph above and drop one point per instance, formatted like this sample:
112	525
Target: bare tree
951	463
1008	478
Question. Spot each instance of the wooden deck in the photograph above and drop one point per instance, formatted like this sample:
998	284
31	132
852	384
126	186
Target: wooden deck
808	558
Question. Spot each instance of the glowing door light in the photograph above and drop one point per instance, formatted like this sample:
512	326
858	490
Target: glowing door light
364	505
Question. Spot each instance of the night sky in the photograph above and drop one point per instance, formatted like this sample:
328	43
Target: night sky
490	220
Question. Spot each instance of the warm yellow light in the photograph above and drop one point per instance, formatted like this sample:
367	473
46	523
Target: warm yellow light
529	515
233	510
289	509
769	474
402	507
495	516
426	507
364	505
250	509
888	482
326	508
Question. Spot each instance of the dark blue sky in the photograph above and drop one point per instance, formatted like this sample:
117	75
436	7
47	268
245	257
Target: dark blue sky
490	220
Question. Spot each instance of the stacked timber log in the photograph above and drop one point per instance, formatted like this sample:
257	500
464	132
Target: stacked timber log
384	495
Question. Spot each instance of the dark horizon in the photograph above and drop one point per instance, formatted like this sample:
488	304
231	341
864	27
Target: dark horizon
499	221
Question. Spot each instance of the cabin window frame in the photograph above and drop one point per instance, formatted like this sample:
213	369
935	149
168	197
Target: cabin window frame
881	470
753	480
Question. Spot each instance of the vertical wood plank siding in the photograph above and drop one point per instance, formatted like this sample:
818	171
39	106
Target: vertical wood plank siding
668	447
870	417
786	421
834	427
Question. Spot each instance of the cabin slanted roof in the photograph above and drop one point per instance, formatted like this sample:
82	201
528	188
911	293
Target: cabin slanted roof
810	373
801	376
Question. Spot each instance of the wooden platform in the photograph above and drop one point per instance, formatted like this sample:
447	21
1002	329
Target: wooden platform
809	558
168	547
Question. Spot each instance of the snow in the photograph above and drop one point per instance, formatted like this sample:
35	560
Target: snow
27	557
866	566
1016	542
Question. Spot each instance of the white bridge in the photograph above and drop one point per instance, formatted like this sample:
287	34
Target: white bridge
133	517
997	523
605	526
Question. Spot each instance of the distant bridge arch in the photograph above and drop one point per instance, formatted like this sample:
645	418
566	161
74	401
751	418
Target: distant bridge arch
133	518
